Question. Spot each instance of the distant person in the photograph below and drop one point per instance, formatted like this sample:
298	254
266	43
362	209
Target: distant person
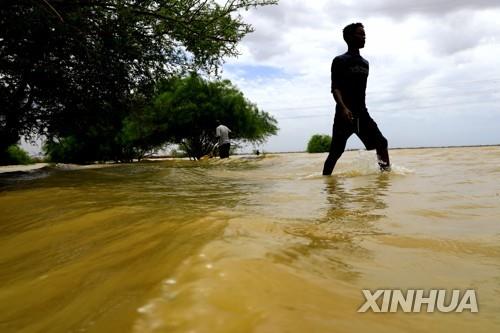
349	74
222	132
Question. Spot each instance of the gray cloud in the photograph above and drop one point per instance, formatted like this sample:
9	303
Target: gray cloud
401	8
264	44
453	25
455	31
271	25
289	13
458	32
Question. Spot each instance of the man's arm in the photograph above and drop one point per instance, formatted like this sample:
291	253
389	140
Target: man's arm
337	96
338	77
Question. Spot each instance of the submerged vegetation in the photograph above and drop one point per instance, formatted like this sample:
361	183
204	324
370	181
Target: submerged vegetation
81	72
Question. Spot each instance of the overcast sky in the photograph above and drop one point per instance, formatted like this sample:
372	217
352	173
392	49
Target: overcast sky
434	68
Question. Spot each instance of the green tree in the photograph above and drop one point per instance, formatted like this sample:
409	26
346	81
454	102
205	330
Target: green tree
319	143
74	68
17	155
185	111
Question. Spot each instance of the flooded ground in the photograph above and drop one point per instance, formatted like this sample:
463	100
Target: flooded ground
261	244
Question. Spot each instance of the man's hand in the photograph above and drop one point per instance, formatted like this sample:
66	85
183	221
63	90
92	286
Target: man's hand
347	114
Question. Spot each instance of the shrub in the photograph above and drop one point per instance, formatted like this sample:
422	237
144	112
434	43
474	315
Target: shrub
319	143
16	155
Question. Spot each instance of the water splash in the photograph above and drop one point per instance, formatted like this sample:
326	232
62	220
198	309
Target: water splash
366	163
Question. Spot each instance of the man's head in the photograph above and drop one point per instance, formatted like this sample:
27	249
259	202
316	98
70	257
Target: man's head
354	35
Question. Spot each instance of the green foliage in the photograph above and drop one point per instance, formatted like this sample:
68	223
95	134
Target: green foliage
75	68
65	150
16	155
139	133
319	143
185	111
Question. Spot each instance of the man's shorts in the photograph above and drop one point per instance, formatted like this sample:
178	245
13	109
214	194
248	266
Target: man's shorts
364	127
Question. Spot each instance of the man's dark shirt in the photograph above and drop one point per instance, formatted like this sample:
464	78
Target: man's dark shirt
349	75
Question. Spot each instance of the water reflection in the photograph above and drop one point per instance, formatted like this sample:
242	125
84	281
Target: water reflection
358	204
331	242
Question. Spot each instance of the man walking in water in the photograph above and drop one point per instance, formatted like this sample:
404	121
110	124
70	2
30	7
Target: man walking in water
349	76
222	132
